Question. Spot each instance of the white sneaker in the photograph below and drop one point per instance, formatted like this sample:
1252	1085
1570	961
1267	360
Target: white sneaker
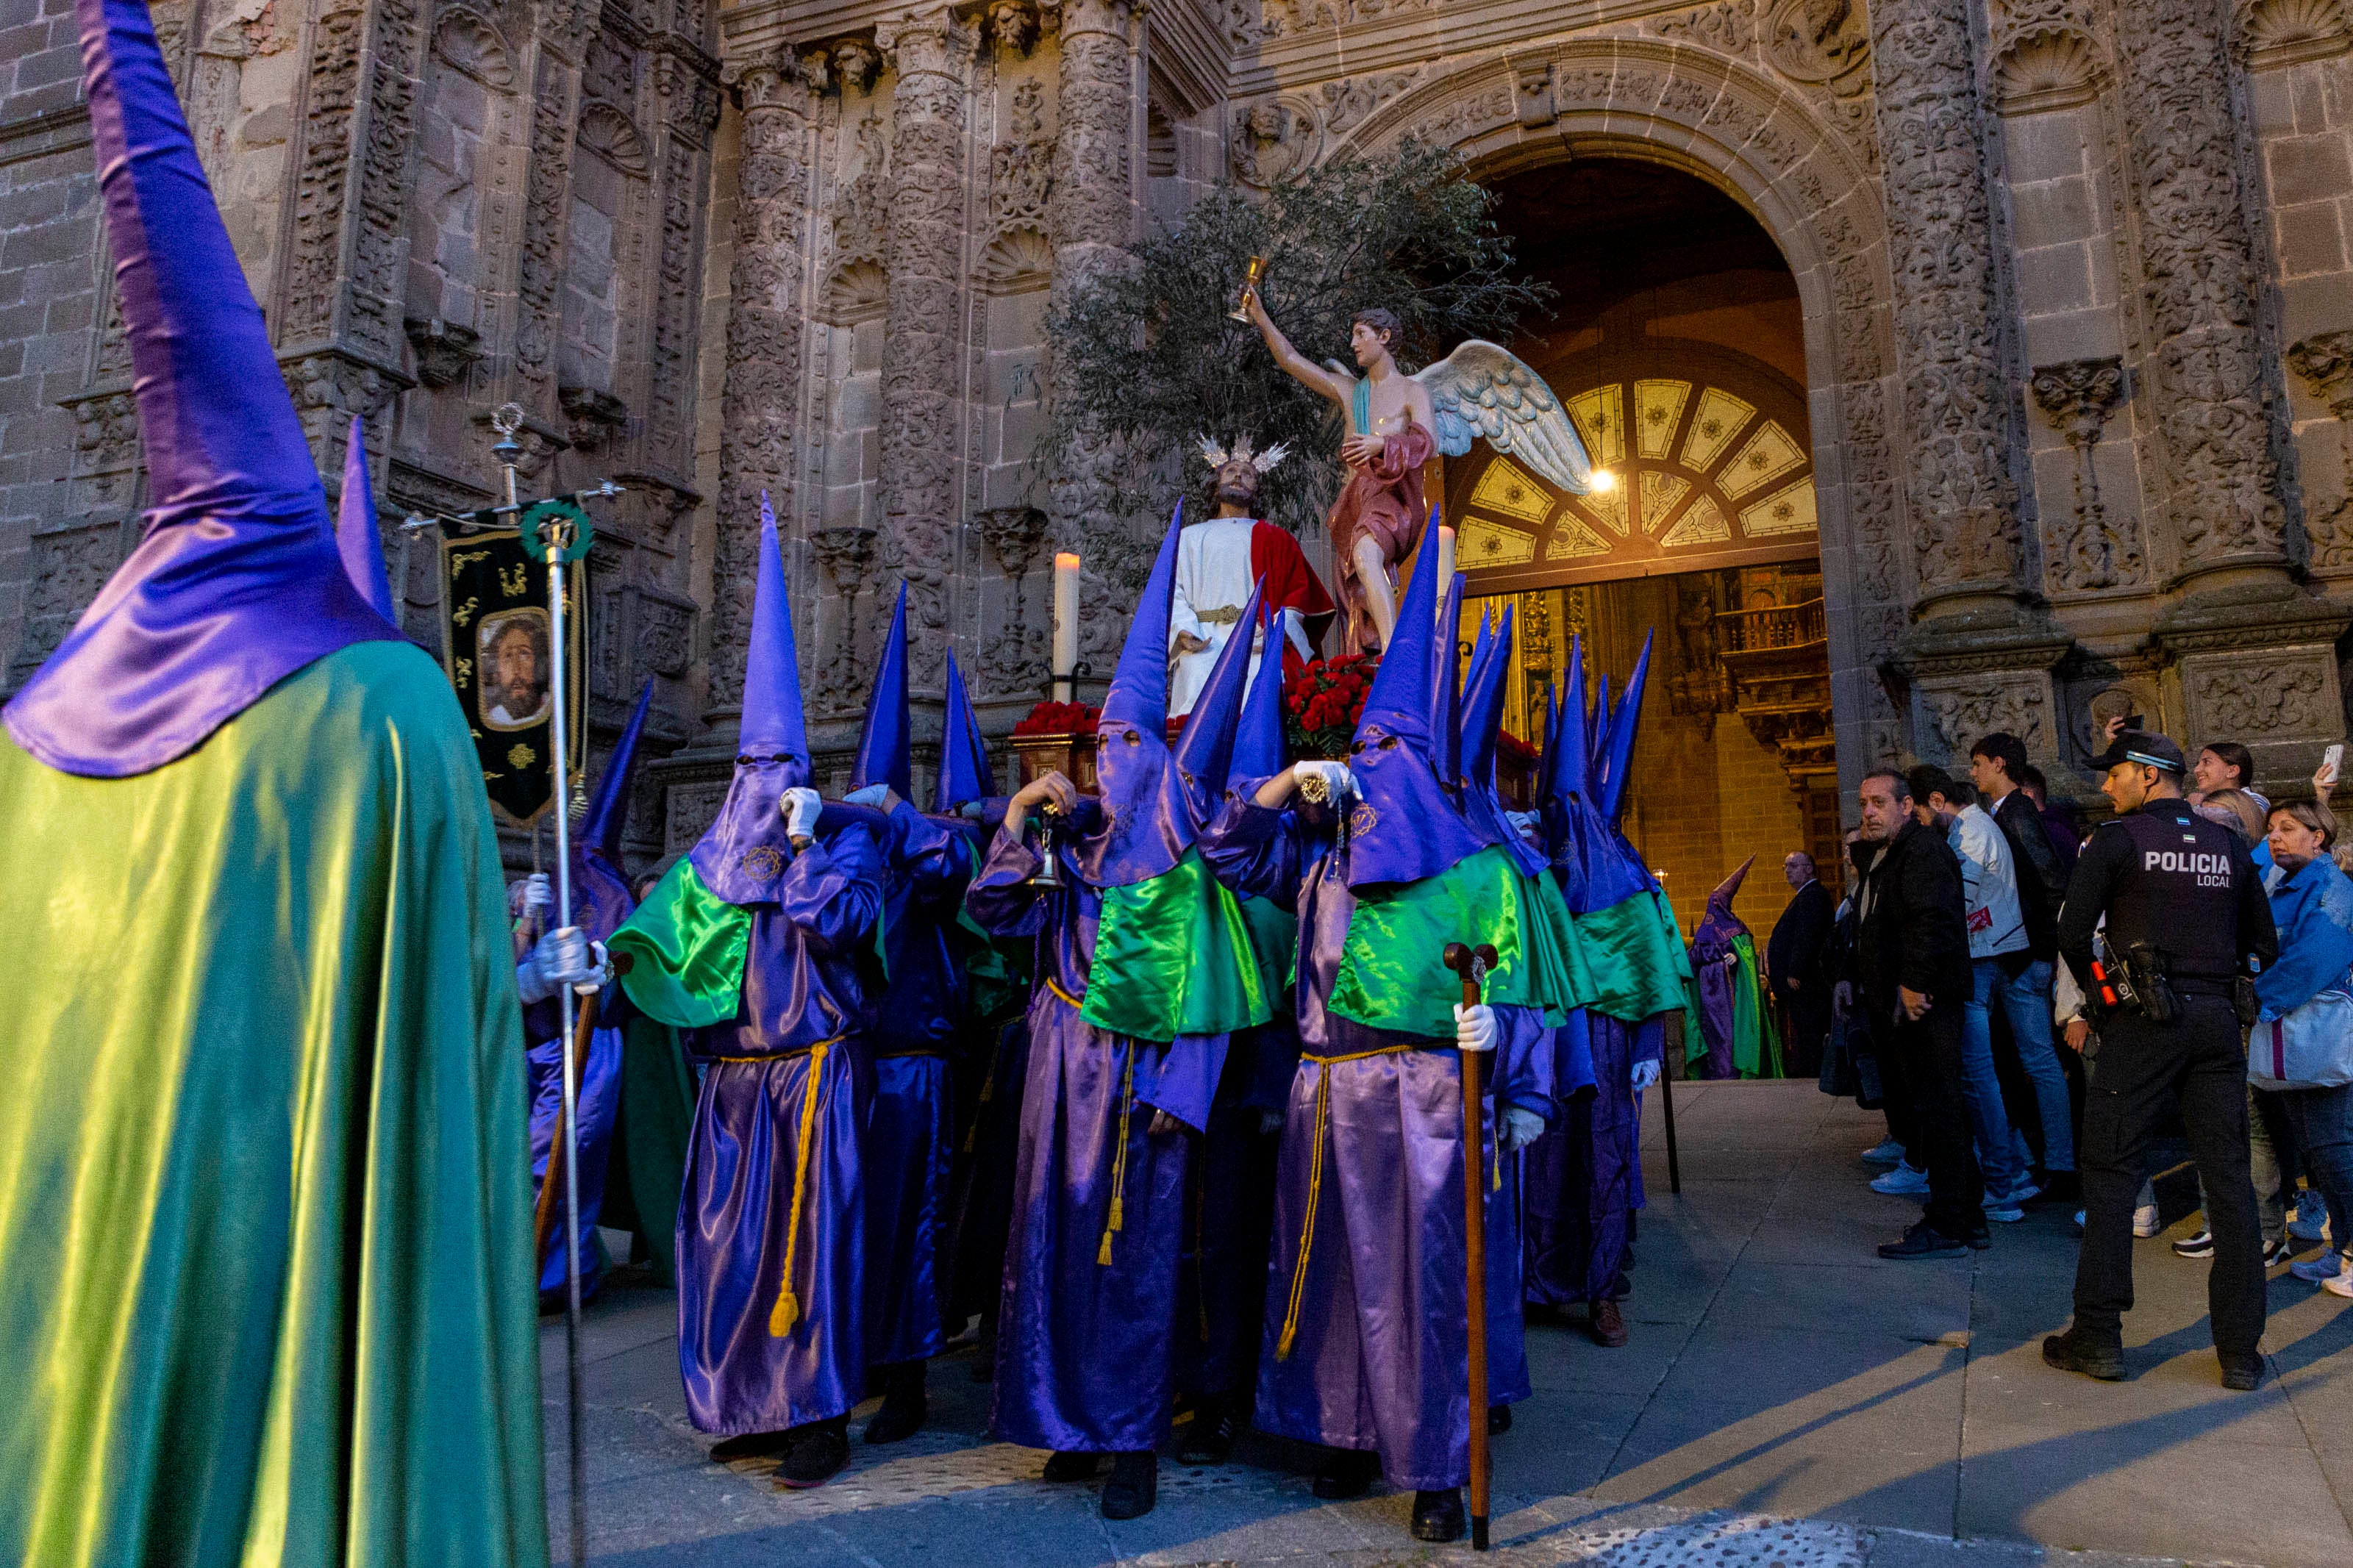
2026	1191
2340	1284
1883	1154
1902	1182
2004	1214
2144	1221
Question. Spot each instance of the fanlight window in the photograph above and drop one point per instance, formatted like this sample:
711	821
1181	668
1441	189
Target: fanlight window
1704	478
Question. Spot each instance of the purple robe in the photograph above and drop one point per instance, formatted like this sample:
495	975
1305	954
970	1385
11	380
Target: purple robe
1584	1176
788	1056
1375	1321
1085	1357
983	1207
909	1129
1229	1216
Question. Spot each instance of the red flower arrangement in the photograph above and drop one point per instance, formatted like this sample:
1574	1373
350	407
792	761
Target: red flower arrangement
1059	719
1510	748
1320	706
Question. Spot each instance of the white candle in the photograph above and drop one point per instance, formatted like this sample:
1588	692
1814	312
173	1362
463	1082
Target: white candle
1066	623
1445	564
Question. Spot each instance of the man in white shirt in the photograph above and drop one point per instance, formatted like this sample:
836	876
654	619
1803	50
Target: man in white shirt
1219	559
1996	926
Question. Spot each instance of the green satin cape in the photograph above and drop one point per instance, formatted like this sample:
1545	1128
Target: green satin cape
1172	957
648	1164
1275	943
686	947
266	1282
1638	958
1754	1042
1392	969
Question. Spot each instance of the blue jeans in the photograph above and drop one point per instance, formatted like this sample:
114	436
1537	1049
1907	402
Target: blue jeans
2002	1152
2026	1002
2322	1120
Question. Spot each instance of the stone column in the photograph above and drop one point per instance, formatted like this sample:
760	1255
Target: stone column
1975	661
2253	654
762	400
922	344
1092	218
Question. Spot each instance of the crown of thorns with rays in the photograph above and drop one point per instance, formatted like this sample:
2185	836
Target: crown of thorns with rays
1264	462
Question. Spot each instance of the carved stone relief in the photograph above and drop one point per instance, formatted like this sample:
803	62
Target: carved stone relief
2095	552
2325	361
1273	141
1954	718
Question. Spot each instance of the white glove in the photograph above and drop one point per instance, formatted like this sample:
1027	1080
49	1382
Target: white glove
600	971
1520	1128
1526	823
559	958
536	895
1332	778
1645	1075
800	807
872	795
1474	1028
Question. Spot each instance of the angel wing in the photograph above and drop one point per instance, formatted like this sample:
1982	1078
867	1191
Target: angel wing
1484	389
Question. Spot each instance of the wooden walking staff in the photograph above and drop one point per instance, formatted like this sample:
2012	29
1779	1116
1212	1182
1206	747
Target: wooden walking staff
1472	964
543	1219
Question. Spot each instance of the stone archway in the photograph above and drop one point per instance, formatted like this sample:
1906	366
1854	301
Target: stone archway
1810	180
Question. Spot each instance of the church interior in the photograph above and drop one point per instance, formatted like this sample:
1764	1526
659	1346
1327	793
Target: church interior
1675	341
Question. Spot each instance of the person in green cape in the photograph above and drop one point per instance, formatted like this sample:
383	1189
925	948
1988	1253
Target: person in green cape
1734	1019
266	1223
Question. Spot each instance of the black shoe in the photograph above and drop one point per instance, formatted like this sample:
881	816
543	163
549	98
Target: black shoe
1072	1468
1498	1420
816	1455
904	1405
2062	1187
1345	1473
1979	1240
2078	1351
1209	1437
1133	1487
1437	1516
1924	1240
2241	1373
749	1446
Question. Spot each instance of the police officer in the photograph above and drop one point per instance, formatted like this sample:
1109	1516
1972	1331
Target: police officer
2185	913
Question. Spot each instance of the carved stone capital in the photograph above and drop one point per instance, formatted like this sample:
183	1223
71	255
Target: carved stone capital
1012	26
856	64
595	417
845	555
1013	534
445	350
1954	715
2079	394
774	79
2325	361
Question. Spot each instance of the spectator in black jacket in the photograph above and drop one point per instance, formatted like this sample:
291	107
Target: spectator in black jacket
1911	979
2060	824
1793	960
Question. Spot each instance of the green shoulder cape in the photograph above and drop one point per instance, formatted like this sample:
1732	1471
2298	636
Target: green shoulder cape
1392	969
686	947
1172	956
265	1203
1638	957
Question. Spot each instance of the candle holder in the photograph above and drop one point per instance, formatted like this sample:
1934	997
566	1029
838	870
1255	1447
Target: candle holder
1047	877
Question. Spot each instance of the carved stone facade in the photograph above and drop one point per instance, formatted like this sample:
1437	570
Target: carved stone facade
2076	281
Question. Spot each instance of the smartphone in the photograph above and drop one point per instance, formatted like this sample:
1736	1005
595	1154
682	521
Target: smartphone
2331	761
2136	721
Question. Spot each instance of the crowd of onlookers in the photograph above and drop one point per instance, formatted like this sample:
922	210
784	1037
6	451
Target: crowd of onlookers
1955	1009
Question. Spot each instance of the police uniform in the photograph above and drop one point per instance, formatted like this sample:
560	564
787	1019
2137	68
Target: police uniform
2164	876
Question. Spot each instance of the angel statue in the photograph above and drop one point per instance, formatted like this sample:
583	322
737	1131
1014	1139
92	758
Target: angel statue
1395	421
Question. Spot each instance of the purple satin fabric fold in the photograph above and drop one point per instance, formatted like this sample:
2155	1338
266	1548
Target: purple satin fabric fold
1149	815
1581	1179
1228	1228
600	1103
745	849
1407	828
733	1220
1714	982
236	583
923	1002
906	1168
983	1207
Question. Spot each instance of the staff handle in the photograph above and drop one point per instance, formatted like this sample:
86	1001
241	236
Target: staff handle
1472	964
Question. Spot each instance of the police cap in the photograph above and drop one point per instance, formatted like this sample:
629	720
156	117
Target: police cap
2145	747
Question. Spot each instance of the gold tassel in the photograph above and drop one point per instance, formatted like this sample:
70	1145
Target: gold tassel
787	1311
1119	1160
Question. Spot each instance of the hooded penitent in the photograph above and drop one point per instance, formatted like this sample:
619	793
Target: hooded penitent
601	899
356	540
1733	1017
885	752
745	849
1149	816
1258	736
1483	719
267	1285
965	770
235	584
1205	748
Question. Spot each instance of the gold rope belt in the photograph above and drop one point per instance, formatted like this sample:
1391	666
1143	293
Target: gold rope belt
1316	1183
787	1311
1118	1217
1056	987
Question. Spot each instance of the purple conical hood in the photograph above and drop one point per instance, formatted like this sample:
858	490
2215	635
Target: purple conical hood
1258	739
356	540
1712	938
1729	889
1571	759
608	809
1483	698
965	770
1595	866
1625	719
885	746
1409	826
746	848
236	583
1446	686
1597	735
1149	817
1205	747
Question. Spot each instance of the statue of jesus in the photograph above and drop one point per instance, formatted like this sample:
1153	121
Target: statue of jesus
1395	421
1377	519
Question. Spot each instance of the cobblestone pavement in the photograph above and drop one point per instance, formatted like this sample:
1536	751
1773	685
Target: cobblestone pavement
1788	1401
